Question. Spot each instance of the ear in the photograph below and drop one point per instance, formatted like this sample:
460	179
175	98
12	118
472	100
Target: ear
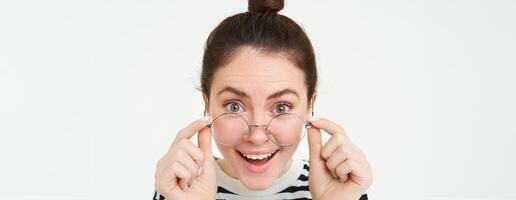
206	104
312	102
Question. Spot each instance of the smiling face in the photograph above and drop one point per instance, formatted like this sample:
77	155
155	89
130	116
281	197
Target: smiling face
258	87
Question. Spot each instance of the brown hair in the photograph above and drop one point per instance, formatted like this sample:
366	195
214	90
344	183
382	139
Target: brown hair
265	30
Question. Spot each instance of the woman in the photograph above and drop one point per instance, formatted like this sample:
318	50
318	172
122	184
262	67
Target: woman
258	81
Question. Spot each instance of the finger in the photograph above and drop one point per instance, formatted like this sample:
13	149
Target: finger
164	174
330	146
190	165
328	126
191	129
204	143
182	147
338	156
342	170
193	151
168	175
165	163
161	166
314	145
182	174
360	172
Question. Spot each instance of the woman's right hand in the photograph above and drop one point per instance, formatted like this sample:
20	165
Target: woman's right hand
187	171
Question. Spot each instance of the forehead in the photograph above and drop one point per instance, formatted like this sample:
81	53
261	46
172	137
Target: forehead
257	73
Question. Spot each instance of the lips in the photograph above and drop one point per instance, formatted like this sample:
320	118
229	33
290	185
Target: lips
257	161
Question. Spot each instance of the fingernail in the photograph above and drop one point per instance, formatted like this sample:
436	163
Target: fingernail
205	118
192	186
185	188
199	172
334	175
314	118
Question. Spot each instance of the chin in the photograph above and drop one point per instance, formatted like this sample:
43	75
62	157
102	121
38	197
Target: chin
257	183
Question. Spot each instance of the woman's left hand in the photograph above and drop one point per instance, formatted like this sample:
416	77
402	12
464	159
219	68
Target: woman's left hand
339	169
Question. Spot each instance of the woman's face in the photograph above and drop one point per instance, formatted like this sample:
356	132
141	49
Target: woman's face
258	87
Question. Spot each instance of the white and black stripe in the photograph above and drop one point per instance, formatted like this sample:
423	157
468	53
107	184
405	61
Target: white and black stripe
298	190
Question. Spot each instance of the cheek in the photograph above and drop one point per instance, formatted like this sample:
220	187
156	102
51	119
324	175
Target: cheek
226	152
281	165
229	130
285	132
286	154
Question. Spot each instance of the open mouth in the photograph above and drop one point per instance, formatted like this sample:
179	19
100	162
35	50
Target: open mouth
257	163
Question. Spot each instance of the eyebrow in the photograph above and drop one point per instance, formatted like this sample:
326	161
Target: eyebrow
283	92
272	96
234	91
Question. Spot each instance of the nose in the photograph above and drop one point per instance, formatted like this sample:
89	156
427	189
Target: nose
258	134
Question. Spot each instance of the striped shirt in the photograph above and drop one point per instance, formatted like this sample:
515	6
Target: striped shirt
291	185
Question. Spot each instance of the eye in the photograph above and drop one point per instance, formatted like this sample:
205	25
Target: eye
282	108
233	107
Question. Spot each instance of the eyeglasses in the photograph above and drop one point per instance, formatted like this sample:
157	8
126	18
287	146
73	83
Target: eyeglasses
231	129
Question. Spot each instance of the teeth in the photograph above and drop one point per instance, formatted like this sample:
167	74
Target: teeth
257	156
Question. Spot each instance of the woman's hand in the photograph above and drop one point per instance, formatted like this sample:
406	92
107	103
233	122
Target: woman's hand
188	171
339	169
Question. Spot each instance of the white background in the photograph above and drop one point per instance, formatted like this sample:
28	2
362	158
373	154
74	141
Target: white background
92	93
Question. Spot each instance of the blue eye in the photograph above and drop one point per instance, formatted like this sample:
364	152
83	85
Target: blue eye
233	107
282	108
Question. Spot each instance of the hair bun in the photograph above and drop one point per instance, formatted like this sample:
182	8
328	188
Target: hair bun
260	6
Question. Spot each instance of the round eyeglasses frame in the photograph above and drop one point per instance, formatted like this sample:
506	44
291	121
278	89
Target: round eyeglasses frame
266	126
